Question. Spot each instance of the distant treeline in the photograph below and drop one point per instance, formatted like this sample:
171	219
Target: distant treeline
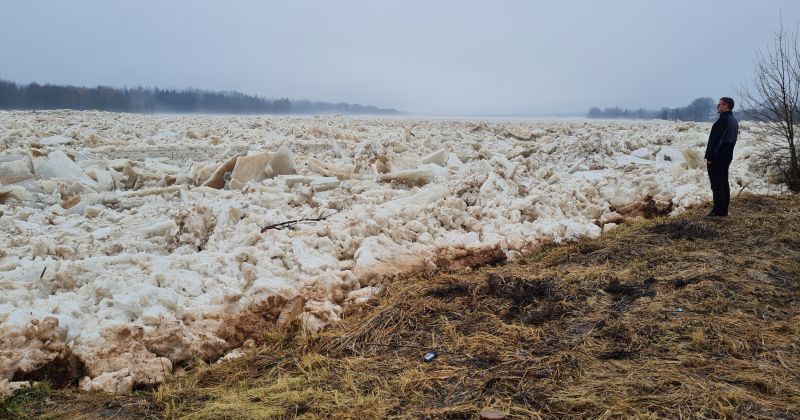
701	109
148	100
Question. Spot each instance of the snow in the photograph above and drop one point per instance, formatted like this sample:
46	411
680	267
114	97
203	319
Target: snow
134	242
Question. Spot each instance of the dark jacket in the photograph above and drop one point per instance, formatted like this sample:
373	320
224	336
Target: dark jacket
723	137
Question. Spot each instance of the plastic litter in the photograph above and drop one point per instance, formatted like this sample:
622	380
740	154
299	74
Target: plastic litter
429	356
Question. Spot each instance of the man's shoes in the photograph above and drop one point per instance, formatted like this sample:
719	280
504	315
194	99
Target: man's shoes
715	215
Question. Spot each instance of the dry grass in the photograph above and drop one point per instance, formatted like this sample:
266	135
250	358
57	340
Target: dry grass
43	402
668	318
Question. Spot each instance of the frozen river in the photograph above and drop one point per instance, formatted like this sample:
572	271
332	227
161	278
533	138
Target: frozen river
132	244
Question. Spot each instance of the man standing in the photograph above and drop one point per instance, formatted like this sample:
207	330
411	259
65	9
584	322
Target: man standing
719	154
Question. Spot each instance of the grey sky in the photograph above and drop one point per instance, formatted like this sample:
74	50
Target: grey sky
427	57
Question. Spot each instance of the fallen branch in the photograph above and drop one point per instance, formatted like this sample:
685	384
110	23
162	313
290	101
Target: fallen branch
742	189
290	223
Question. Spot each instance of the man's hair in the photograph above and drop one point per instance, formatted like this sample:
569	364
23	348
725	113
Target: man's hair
728	101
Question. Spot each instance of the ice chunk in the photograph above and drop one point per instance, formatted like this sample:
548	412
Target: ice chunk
12	192
438	157
379	256
282	163
12	157
71	202
129	176
410	205
453	161
670	154
421	175
58	165
105	181
608	227
325	183
337	150
693	158
628	160
399	161
292	180
14	171
642	153
361	295
329	169
53	141
463	240
311	260
7	388
249	168
156	166
159	228
217	179
201	173
594	176
519	133
622	196
118	382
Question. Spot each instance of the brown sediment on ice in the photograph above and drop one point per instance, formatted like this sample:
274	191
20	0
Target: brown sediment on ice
130	357
251	322
288	313
648	207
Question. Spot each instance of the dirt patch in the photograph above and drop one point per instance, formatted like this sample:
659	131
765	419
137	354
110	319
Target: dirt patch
451	290
684	229
534	301
682	282
624	295
520	290
631	291
63	371
459	259
647	207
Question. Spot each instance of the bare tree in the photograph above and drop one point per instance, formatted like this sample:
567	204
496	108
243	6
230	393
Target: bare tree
773	98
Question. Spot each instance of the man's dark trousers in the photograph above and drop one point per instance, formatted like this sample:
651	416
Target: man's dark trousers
718	175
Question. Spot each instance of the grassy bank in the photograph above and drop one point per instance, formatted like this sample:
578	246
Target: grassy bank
667	317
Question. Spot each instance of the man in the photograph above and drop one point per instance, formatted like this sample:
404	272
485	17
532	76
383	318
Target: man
719	154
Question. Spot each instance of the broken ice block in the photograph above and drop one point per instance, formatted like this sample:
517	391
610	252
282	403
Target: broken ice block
249	168
283	162
58	165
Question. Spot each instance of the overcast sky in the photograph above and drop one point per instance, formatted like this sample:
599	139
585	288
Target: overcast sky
425	57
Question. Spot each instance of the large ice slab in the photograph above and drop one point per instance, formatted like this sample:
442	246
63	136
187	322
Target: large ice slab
58	165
